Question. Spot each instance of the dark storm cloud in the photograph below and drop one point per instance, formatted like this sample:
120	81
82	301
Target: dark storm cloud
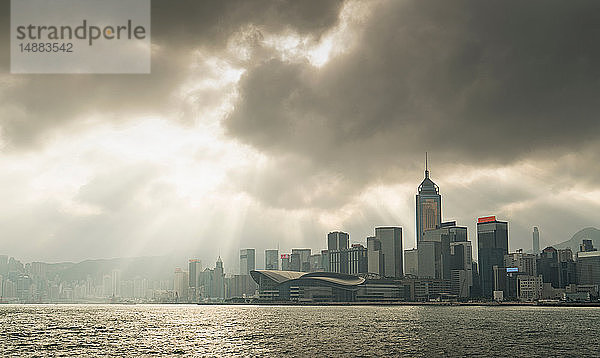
210	23
477	83
34	104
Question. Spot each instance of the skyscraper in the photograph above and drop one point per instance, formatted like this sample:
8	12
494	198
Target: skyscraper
492	243
194	272
588	268
106	286
349	261
218	289
247	261
116	283
461	267
384	252
304	257
536	241
325	260
548	266
337	240
411	262
557	267
567	268
436	248
374	256
4	265
181	285
286	264
428	205
295	263
272	259
316	263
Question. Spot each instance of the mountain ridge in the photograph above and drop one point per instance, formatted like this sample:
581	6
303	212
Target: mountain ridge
591	233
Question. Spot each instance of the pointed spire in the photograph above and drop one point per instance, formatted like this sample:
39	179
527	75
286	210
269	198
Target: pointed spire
427	185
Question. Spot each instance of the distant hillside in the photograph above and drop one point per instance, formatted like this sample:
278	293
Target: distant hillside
56	268
157	268
587	233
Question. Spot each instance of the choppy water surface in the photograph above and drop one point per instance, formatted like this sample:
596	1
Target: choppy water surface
421	331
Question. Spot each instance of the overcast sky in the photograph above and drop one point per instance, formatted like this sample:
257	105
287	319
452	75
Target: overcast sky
270	123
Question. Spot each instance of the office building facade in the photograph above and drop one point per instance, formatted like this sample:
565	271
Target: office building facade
304	259
435	259
271	259
411	262
247	261
529	288
492	242
445	249
181	285
351	261
295	263
386	252
317	263
194	270
588	268
337	240
548	265
522	262
286	264
374	256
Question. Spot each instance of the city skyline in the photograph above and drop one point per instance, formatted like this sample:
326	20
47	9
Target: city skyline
446	270
442	264
428	196
299	178
274	127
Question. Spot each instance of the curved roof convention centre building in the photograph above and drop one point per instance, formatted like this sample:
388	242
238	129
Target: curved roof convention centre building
306	286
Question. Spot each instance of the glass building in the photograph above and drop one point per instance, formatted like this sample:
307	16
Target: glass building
428	206
337	240
389	256
492	243
349	261
247	261
272	259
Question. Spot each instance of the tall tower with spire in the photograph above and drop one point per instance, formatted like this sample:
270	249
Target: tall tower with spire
218	280
428	205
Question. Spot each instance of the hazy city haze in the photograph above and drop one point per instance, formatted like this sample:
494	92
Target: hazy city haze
270	123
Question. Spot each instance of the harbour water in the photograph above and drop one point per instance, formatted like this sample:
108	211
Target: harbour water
327	331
